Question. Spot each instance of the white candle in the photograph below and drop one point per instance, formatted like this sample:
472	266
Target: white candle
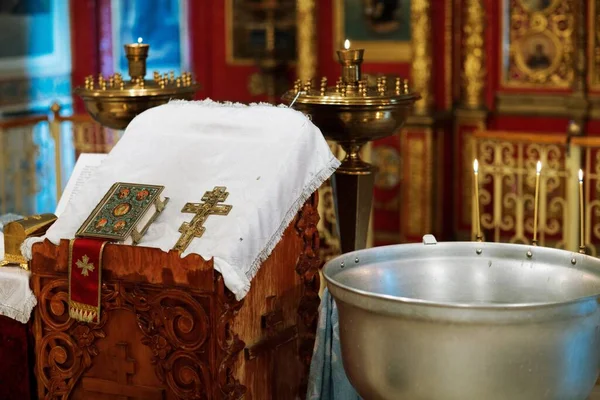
536	200
581	213
476	184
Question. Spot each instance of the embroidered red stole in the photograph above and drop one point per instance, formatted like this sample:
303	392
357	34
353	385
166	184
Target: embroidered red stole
85	279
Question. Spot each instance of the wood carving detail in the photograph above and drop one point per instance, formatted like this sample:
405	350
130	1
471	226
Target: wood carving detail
228	343
174	324
308	268
186	344
67	348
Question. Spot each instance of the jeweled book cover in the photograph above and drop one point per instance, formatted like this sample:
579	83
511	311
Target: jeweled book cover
124	213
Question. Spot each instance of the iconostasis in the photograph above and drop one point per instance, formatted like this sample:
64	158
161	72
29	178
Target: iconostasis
524	66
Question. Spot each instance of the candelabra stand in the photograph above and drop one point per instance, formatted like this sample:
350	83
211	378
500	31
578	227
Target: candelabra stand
352	113
114	102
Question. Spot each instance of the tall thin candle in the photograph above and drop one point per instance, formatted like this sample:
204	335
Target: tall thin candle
581	214
538	170
476	184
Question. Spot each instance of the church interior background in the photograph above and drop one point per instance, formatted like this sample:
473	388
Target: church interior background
509	82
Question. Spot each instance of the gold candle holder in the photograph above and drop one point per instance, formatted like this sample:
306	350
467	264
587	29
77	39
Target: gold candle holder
352	113
350	59
538	171
476	202
581	214
114	102
136	54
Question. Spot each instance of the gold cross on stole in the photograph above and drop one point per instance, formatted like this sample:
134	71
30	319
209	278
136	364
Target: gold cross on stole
84	265
194	229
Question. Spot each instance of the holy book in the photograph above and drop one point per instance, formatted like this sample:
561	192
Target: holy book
125	213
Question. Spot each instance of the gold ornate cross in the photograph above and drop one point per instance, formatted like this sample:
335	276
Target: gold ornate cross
85	265
194	229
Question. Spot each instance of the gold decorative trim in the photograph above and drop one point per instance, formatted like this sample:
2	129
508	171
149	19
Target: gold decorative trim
416	199
533	104
553	25
538	76
10	259
448	54
594	44
473	67
540	104
306	27
466	122
421	64
390	51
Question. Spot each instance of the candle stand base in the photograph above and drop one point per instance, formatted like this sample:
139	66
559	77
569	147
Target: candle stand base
352	186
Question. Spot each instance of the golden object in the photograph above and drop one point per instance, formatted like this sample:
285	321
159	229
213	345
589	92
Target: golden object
466	122
55	133
417	199
579	34
506	160
306	27
474	70
581	215
536	201
194	229
379	50
594	43
353	113
84	265
16	232
543	50
18	152
115	104
476	200
125	213
449	98
421	62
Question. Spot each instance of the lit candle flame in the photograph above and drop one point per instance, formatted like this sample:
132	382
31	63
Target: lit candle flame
347	44
539	167
476	166
140	40
580	175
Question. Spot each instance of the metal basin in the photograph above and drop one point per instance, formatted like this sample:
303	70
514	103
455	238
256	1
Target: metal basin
468	320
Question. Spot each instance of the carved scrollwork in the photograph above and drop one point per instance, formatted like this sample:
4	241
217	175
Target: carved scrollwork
229	343
175	327
62	357
307	268
188	378
53	305
59	364
174	324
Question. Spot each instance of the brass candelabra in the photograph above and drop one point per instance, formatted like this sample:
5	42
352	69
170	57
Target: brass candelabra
114	102
353	113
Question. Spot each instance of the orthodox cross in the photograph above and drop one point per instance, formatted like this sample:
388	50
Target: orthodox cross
123	366
194	229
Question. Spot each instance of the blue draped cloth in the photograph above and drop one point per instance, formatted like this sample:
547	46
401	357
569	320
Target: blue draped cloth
327	379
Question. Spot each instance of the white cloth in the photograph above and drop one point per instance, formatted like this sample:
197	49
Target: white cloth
271	159
16	298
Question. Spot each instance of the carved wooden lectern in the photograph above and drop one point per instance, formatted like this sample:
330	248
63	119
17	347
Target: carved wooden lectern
169	329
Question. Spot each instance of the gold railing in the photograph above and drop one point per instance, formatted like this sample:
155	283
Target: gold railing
19	152
17	163
507	179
